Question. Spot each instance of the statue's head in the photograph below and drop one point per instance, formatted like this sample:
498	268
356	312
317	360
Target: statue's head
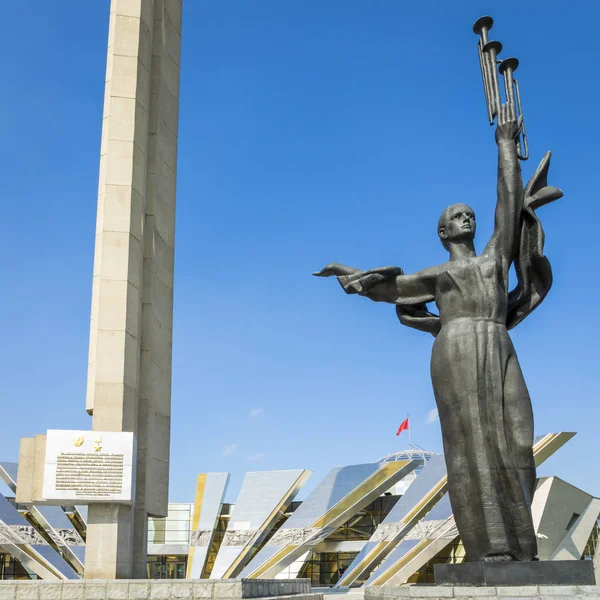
457	224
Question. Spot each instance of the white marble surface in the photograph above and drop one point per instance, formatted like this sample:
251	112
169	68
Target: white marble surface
97	448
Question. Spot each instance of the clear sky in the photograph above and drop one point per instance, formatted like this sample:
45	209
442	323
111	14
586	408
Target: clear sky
310	131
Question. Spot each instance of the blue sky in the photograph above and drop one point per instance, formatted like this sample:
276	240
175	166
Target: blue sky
310	132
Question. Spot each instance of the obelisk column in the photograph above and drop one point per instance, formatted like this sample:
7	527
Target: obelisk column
129	375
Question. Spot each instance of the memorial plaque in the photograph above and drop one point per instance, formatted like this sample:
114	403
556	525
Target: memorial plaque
82	467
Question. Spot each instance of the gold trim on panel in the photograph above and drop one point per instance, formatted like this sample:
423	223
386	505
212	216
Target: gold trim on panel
547	447
200	485
386	471
439	489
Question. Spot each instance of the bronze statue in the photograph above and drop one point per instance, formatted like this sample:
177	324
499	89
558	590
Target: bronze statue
484	407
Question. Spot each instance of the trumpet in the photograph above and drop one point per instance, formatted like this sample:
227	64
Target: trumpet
490	67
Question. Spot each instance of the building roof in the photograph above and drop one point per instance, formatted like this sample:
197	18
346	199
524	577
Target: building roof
413	453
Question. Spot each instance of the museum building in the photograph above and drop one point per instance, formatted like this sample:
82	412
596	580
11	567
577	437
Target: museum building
381	523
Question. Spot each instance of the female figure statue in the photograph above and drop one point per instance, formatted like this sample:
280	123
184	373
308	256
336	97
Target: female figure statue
484	407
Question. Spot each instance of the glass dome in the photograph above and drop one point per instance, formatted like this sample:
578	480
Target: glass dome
413	453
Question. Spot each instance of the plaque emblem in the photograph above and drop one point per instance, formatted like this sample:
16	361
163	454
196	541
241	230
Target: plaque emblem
78	441
98	445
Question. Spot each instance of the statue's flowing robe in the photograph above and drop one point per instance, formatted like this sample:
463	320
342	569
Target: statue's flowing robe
484	407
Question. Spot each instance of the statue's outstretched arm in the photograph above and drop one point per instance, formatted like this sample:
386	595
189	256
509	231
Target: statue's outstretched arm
336	269
505	239
414	288
386	284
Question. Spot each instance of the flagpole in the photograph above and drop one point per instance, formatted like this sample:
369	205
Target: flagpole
409	438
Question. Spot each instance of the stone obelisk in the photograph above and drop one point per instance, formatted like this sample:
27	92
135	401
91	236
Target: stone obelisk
129	376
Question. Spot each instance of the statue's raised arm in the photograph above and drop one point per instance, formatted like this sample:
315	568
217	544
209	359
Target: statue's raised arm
504	242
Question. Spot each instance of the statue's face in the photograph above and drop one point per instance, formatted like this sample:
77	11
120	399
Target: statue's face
458	224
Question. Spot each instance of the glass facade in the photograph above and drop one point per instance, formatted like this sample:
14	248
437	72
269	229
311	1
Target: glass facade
167	567
174	529
168	541
362	526
591	548
11	568
325	568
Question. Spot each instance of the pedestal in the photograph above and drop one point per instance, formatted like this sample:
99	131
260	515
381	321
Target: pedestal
164	589
555	572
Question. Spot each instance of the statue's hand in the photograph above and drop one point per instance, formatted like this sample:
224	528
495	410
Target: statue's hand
509	126
334	269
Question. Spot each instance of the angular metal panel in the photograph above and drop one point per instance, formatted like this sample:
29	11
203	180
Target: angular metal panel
545	446
210	494
343	493
573	544
264	496
21	540
556	505
53	520
8	472
419	545
59	528
421	496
